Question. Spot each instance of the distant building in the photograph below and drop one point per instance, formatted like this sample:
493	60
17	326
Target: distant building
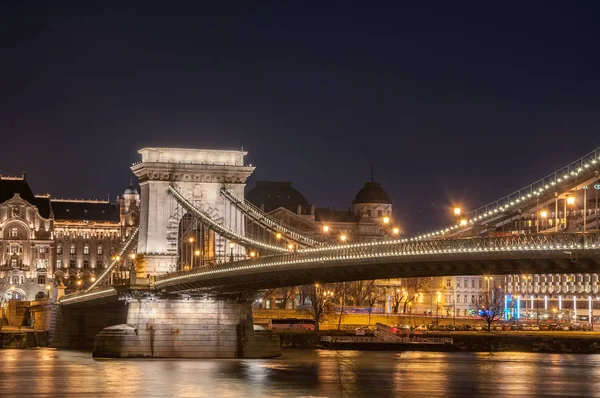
45	241
369	218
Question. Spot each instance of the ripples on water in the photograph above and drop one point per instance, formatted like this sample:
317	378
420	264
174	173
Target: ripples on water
303	373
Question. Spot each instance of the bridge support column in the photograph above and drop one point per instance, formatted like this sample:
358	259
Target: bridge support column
187	328
154	264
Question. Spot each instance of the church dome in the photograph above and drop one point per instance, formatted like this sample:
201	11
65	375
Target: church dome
274	194
372	193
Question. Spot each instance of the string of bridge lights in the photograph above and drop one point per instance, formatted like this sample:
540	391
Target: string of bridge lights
559	177
261	216
287	260
125	248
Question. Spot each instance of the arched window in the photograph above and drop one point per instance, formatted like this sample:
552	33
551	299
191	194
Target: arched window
59	249
99	250
72	249
379	213
86	249
369	213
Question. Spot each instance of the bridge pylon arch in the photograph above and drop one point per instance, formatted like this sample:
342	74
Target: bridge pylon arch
199	174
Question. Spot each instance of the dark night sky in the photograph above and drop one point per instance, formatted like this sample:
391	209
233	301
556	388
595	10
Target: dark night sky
448	103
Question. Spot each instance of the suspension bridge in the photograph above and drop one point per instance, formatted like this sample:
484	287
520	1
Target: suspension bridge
199	237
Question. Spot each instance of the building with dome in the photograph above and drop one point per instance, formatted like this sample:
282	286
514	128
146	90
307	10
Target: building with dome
369	218
46	241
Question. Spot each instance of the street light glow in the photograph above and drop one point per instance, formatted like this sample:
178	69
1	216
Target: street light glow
396	230
278	235
457	211
570	200
325	228
386	220
191	239
231	245
197	252
343	238
463	222
544	214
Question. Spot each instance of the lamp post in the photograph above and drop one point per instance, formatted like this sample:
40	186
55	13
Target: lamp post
544	215
191	240
437	310
231	246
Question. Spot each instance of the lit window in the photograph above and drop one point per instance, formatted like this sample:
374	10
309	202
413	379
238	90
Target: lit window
59	249
448	283
58	263
99	250
14	232
42	249
86	249
72	249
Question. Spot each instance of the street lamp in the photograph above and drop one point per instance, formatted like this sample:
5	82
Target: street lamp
291	246
386	220
325	228
231	246
463	222
570	200
544	215
132	256
457	211
395	230
278	235
437	309
343	238
252	254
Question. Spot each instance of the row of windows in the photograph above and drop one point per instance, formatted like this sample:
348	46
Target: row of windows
73	249
86	235
72	264
368	212
20	279
465	283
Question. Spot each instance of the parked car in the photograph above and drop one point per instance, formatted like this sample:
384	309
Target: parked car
450	327
535	328
478	328
421	328
467	327
544	327
498	328
506	327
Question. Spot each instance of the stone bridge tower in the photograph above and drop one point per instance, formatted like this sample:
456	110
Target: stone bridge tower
199	174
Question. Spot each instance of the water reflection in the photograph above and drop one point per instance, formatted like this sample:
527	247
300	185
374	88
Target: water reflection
302	373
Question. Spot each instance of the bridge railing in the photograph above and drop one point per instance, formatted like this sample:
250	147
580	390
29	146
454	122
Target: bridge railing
267	220
549	242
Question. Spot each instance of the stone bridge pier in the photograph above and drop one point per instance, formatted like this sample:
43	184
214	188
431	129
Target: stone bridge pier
172	327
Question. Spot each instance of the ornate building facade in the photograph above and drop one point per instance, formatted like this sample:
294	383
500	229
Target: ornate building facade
46	241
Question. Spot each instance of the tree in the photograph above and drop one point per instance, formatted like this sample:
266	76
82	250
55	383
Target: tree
414	287
398	296
319	301
361	291
490	307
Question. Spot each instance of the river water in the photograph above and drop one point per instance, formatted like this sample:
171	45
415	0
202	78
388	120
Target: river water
302	373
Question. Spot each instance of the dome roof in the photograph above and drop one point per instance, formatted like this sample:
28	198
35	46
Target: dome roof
275	194
131	190
372	193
